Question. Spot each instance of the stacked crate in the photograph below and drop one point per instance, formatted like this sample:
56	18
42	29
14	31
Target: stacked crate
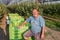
14	32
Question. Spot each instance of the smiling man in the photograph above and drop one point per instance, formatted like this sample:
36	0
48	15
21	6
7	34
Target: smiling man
37	26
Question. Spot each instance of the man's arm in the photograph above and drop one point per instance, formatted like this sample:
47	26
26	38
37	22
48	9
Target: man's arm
42	23
42	34
27	20
43	29
22	24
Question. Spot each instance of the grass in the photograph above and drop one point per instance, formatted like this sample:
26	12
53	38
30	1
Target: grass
55	16
53	25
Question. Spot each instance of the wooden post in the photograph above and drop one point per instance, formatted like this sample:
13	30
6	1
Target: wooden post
36	4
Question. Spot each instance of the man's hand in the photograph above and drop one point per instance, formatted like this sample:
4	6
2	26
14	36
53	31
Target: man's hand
19	27
42	36
22	24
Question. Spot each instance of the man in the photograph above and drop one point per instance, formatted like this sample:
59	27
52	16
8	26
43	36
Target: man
37	26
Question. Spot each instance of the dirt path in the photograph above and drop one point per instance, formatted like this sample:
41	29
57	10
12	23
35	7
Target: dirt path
52	34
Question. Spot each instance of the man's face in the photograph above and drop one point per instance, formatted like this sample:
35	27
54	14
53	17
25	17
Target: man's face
35	13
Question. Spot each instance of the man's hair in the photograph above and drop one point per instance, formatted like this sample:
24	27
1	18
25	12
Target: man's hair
35	9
